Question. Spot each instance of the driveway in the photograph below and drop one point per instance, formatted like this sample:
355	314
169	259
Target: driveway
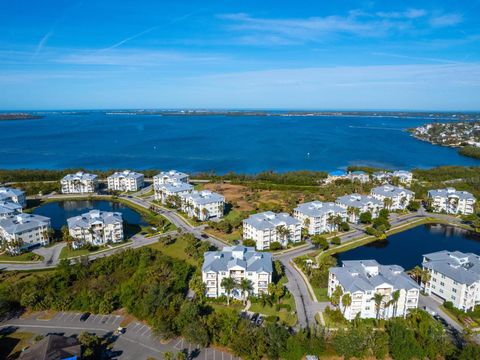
137	343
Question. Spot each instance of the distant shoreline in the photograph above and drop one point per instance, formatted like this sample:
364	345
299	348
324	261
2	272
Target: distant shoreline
19	116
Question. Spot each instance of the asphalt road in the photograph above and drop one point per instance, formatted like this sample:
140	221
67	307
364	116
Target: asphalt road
137	343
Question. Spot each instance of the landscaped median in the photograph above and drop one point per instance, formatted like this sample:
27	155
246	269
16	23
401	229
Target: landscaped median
68	253
27	257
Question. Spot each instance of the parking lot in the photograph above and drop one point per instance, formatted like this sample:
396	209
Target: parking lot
138	342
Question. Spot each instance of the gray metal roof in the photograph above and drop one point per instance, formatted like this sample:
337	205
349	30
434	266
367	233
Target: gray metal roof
402	174
8	207
204	197
80	176
319	209
172	175
462	267
94	217
245	257
23	222
126	174
451	192
358	201
176	187
391	191
7	193
270	220
367	275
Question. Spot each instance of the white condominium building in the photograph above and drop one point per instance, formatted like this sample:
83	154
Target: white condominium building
8	209
13	195
238	263
22	231
360	176
268	227
320	217
168	192
383	177
79	183
355	204
403	176
125	181
452	201
203	205
455	277
393	197
363	279
96	228
170	177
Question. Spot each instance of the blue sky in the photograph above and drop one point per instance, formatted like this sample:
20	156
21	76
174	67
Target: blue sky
299	54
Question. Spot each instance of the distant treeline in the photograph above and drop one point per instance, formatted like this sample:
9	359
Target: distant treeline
301	177
24	175
305	178
470	151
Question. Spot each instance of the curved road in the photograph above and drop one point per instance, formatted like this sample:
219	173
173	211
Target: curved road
305	305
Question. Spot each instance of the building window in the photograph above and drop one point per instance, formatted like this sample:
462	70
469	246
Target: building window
454	290
442	283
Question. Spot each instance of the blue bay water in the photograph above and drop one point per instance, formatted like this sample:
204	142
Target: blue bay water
217	143
408	247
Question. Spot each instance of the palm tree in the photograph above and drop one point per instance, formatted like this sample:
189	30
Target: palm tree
350	211
331	221
425	276
284	233
346	301
228	284
336	296
387	203
395	298
265	300
205	213
417	273
245	286
378	299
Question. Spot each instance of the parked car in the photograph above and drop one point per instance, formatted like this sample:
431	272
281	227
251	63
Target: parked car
120	330
84	316
259	321
254	317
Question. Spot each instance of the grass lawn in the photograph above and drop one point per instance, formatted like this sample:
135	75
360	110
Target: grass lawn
233	215
68	253
220	307
12	344
236	235
285	317
320	293
28	256
175	250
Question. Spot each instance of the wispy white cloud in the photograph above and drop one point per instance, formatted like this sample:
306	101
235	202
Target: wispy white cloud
127	39
43	41
356	23
446	20
426	59
407	14
133	57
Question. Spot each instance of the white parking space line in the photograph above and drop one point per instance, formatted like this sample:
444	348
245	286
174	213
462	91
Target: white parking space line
94	318
114	320
145	332
140	329
62	314
103	317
